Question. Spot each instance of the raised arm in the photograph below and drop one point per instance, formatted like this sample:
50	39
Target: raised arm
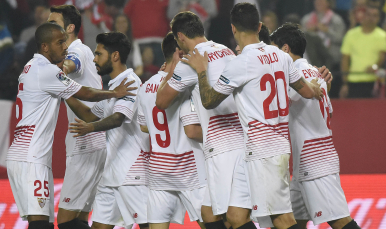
165	93
95	95
81	110
209	97
82	128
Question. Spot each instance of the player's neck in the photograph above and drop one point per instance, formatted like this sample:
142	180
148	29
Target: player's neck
368	28
71	38
294	57
247	39
118	69
195	41
168	67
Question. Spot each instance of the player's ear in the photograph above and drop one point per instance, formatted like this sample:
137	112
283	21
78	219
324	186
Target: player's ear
44	47
233	29
70	28
286	48
115	56
180	36
260	24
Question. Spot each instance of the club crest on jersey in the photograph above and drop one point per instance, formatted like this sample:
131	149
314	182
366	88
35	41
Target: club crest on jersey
224	79
63	78
42	202
178	78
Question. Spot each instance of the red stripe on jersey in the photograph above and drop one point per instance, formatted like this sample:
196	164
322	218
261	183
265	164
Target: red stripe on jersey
20	145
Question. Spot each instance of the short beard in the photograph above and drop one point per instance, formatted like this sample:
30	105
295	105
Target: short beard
107	68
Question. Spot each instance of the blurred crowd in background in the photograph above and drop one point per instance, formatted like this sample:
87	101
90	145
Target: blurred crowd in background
348	36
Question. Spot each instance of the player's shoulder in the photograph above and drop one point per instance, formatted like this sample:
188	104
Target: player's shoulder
183	69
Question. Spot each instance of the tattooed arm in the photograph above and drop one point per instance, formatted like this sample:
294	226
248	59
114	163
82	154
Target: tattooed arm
209	97
306	89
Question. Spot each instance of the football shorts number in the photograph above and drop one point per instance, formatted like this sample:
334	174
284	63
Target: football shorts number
161	127
38	186
273	82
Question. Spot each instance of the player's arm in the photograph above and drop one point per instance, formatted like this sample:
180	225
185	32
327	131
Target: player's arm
69	66
81	110
81	127
194	132
95	95
144	129
209	97
327	76
306	89
165	93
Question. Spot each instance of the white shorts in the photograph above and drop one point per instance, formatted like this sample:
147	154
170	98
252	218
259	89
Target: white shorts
170	206
227	183
83	173
268	180
320	200
120	206
32	187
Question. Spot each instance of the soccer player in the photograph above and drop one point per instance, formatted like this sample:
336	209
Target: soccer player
42	85
86	155
121	197
259	78
222	132
316	193
176	169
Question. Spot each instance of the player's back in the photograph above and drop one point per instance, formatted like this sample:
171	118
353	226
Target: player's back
42	85
261	76
311	137
85	74
221	126
172	163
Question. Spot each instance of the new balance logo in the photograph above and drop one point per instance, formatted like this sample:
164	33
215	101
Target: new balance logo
66	200
318	214
135	215
254	207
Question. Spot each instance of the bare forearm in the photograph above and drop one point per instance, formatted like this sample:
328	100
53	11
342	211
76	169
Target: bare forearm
304	88
113	121
94	95
81	110
209	97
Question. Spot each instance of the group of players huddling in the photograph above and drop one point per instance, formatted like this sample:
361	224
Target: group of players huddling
148	153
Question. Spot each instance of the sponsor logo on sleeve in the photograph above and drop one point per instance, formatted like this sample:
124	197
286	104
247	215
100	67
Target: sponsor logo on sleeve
178	78
63	78
127	98
224	79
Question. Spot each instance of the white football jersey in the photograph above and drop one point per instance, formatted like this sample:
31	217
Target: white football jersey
123	143
173	164
259	78
85	74
42	85
220	126
314	154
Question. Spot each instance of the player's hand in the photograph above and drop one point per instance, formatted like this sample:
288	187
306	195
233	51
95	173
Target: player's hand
81	128
318	92
343	93
326	74
198	62
124	90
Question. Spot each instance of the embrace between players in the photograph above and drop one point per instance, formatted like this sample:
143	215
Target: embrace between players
147	154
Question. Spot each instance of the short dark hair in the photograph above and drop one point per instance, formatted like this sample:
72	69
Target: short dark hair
245	17
169	45
291	35
70	15
264	34
43	33
115	41
187	23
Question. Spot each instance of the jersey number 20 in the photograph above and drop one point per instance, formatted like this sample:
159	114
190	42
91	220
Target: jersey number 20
268	114
161	127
